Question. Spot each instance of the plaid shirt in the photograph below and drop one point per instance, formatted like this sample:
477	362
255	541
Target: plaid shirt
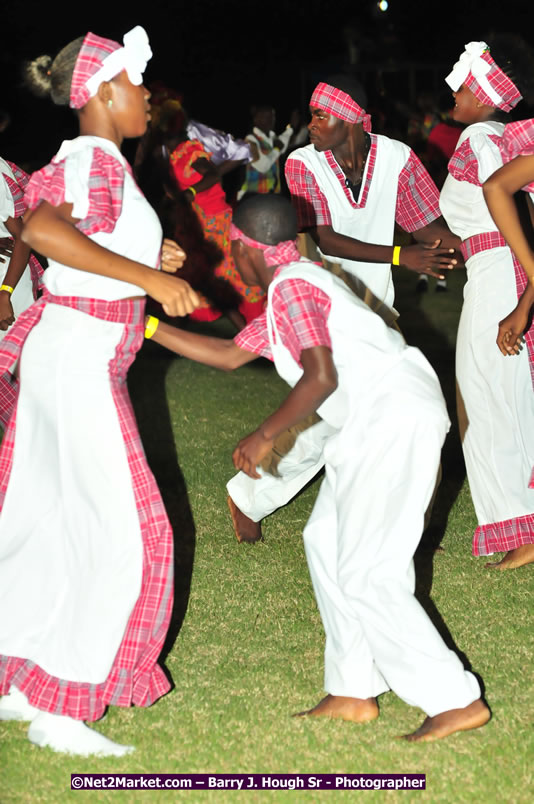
417	195
300	312
106	184
463	164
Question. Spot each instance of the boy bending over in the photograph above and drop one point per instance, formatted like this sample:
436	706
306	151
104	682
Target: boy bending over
388	418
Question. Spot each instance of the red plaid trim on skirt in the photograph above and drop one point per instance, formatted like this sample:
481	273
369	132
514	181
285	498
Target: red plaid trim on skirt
9	389
499	537
135	677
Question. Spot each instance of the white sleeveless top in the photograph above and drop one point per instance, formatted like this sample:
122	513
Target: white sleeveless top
373	223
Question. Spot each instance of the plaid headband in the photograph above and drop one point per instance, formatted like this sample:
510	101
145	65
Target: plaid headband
102	59
482	75
338	103
281	254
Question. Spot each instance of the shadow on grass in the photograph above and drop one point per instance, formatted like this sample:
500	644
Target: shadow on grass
437	344
146	383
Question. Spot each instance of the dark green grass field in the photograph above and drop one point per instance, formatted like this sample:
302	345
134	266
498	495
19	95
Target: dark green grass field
245	647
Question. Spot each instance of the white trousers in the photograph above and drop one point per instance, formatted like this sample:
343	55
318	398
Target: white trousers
259	498
360	541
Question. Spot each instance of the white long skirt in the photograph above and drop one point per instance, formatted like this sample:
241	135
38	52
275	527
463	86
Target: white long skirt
499	401
70	544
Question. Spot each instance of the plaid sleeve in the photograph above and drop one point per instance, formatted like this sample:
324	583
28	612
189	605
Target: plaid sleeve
21	177
47	184
309	202
104	188
417	196
16	185
254	338
301	312
517	139
465	163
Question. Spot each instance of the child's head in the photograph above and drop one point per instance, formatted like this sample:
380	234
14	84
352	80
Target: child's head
267	218
264	231
491	79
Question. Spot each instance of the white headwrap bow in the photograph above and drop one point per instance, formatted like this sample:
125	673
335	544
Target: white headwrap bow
133	58
471	61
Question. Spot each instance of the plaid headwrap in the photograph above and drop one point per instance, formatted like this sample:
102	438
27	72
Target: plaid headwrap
481	74
281	254
338	103
102	59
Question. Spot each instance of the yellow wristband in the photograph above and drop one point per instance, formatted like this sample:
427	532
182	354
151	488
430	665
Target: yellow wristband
396	255
192	190
151	326
8	288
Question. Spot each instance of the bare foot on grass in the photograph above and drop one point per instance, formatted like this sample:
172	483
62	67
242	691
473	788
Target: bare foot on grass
245	529
514	558
473	716
358	710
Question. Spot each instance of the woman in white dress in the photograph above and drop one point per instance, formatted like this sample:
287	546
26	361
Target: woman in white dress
86	570
498	443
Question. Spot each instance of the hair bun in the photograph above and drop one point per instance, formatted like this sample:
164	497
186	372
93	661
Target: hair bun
38	76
